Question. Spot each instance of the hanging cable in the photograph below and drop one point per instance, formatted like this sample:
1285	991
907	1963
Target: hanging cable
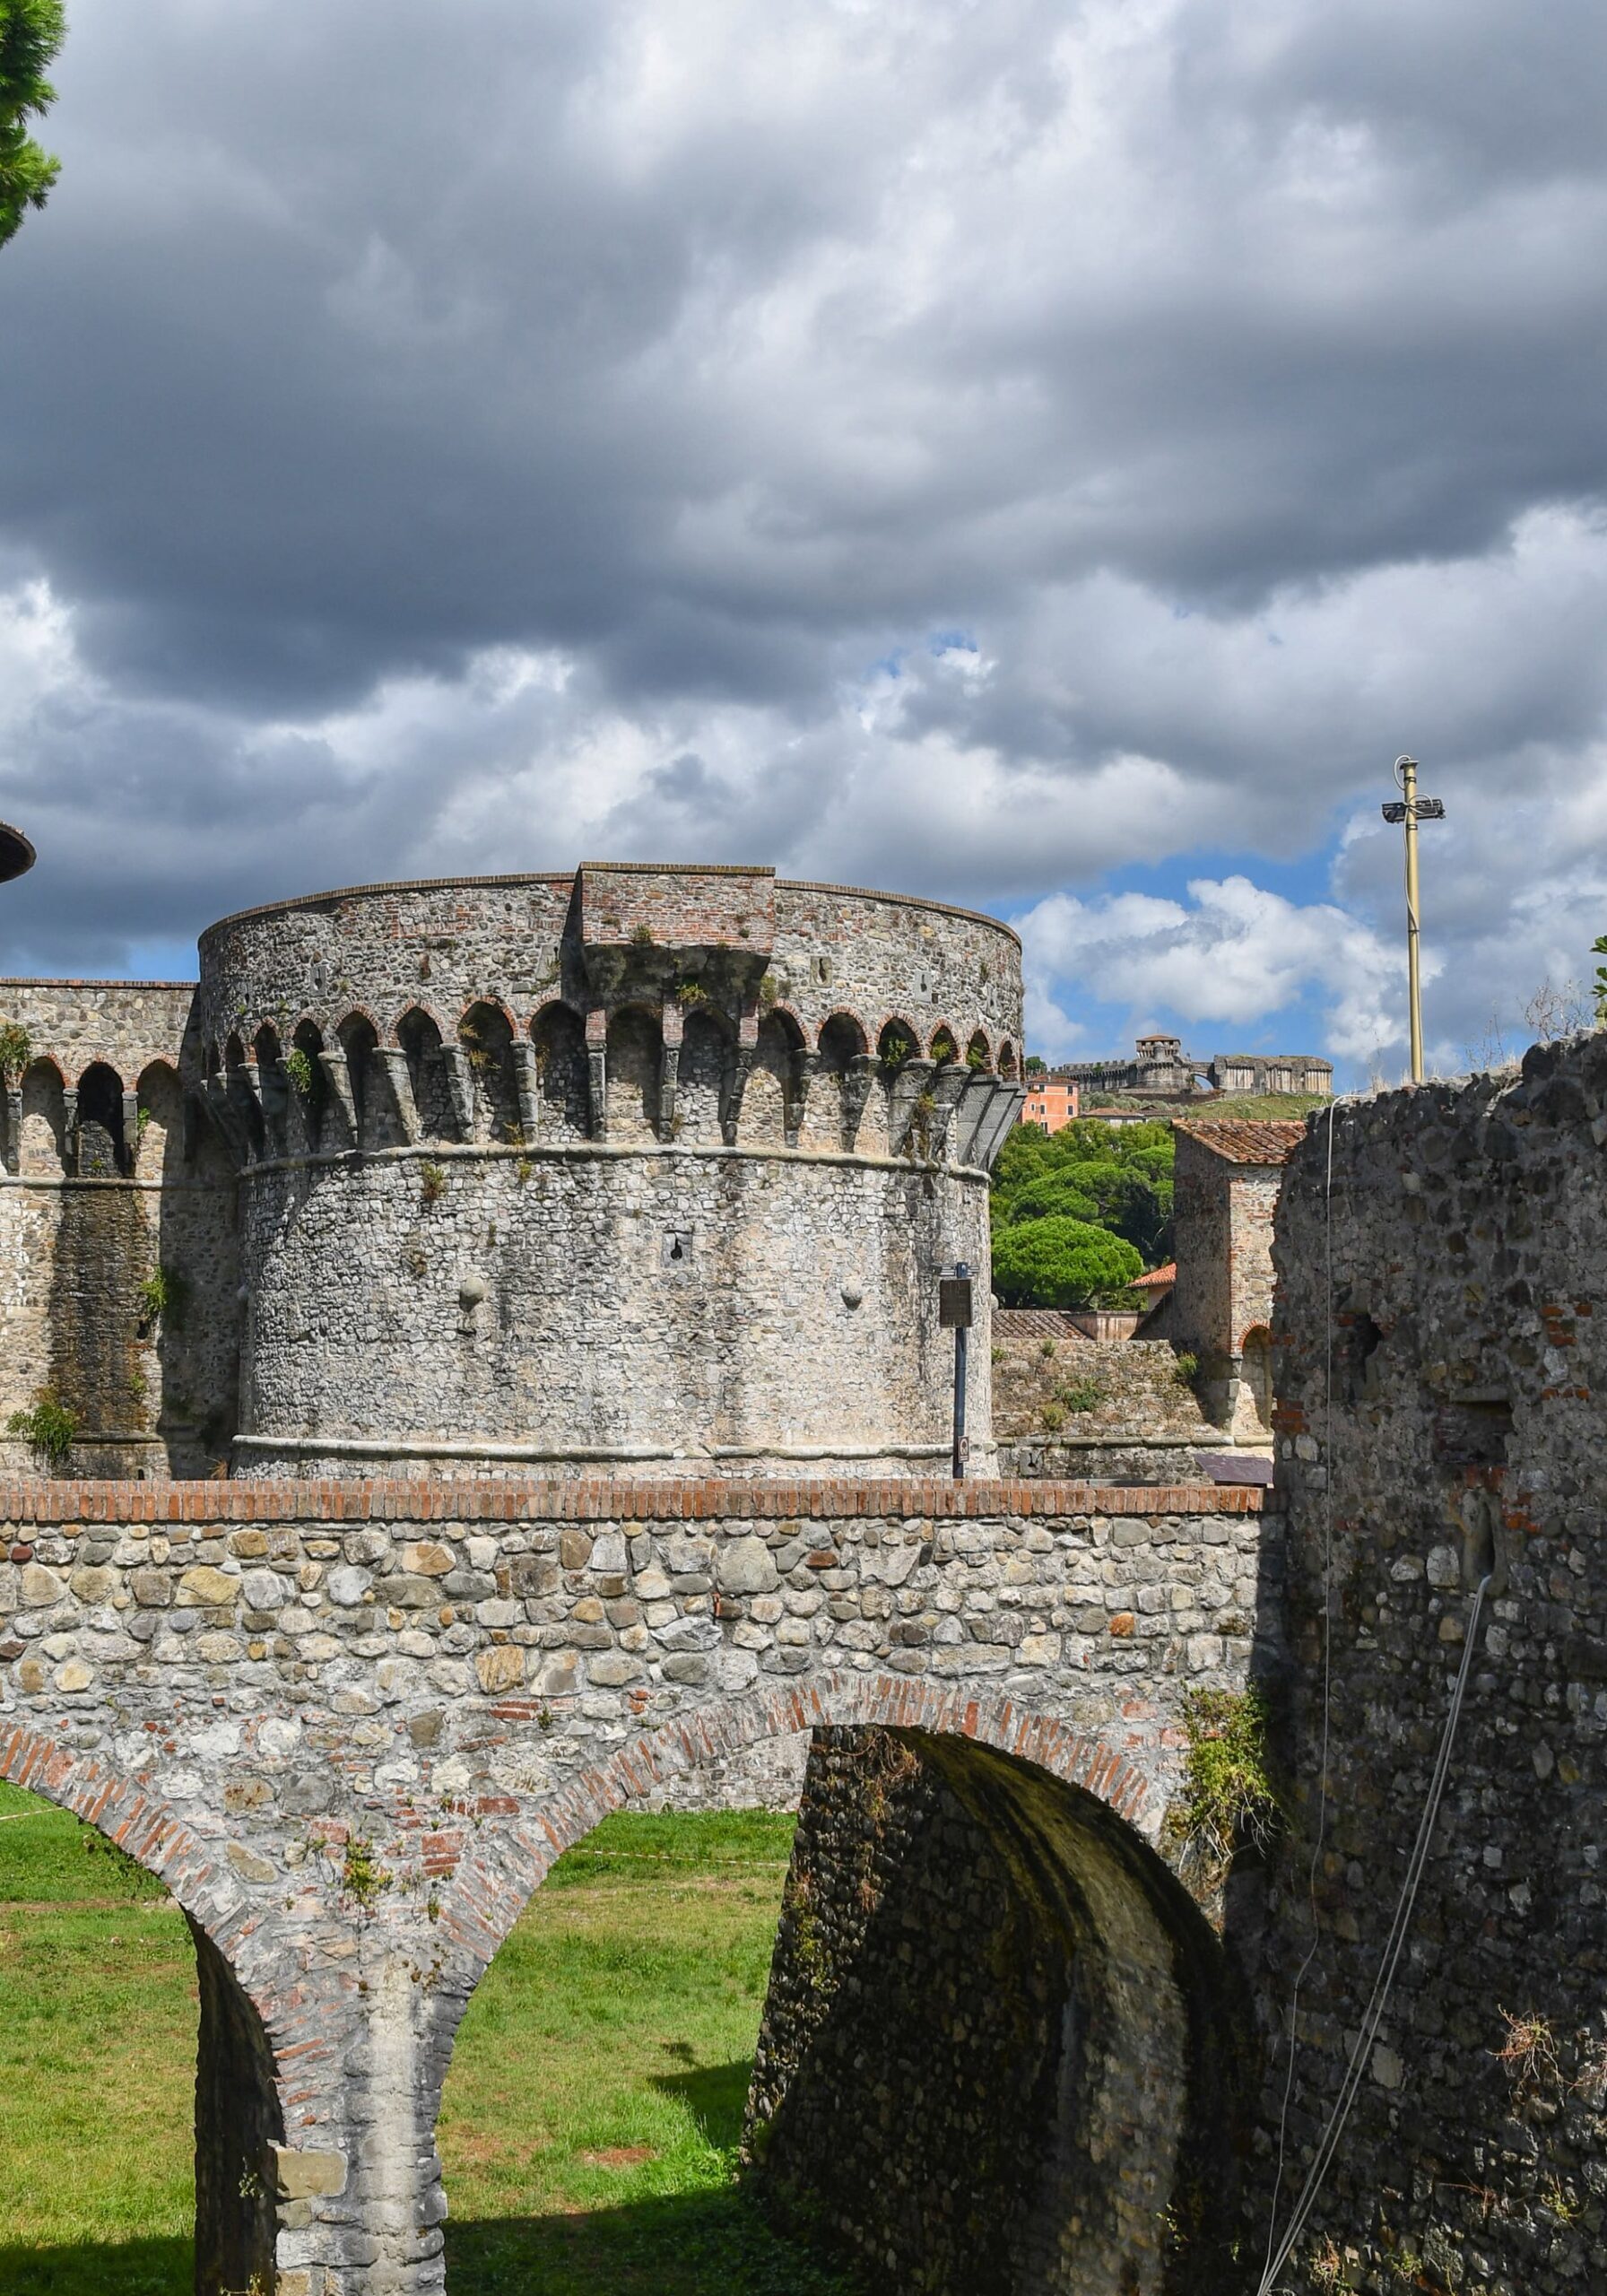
1373	2015
1320	1840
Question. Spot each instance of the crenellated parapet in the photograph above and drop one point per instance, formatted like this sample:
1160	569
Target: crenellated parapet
623	1005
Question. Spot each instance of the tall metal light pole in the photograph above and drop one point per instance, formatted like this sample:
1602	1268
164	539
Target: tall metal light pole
1409	810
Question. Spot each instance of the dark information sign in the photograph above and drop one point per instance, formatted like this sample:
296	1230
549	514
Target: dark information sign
954	1302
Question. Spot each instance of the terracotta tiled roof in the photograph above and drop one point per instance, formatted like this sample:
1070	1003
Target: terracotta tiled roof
1245	1142
1159	1278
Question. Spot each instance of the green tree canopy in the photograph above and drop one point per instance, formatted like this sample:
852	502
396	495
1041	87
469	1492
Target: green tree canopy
1060	1262
1115	1178
1053	1193
30	33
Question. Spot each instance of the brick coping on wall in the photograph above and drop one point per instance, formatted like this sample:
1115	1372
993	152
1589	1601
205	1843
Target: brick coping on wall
612	1498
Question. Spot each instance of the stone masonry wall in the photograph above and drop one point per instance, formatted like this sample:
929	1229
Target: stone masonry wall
131	1026
797	1319
646	1164
1461	1432
90	1210
1033	2002
1068	1406
352	1725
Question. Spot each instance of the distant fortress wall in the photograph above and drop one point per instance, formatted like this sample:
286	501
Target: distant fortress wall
1160	1066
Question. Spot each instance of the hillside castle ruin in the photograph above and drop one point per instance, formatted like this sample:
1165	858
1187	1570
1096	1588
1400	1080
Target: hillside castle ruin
606	1212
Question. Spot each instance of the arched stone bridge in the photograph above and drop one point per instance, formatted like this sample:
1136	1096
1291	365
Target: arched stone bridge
352	1725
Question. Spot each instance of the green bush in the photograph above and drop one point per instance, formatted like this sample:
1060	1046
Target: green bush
164	1295
16	1050
1229	1794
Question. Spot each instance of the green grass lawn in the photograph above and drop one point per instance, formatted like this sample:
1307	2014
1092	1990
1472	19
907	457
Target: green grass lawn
590	2120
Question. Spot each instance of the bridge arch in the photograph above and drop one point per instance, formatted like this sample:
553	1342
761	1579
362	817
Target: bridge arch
1046	1962
239	2108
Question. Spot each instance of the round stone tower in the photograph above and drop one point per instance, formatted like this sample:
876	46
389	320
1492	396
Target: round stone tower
637	1165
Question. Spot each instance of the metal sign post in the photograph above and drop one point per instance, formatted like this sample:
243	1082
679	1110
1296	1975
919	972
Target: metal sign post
954	1314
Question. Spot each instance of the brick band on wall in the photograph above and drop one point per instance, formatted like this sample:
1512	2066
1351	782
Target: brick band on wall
612	1500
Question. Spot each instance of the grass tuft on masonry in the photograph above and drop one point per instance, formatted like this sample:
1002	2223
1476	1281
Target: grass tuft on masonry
49	1428
1229	1795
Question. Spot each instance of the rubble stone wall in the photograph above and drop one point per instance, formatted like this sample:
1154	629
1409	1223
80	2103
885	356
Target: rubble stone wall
1037	1998
1460	1435
352	1725
534	1312
827	949
654	1165
101	1191
632	1164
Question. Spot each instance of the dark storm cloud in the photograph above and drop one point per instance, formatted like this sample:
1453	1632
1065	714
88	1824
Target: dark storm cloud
442	438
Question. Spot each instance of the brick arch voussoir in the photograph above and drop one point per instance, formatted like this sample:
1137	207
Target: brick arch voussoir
783	1012
487	1004
148	1829
368	1012
846	1012
391	1038
551	1006
509	1862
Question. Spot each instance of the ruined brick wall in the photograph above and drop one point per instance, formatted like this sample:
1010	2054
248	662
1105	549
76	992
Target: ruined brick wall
1202	1310
1220	1308
1463	1433
352	1725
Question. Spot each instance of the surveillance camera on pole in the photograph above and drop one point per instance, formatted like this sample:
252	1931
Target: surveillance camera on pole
1408	810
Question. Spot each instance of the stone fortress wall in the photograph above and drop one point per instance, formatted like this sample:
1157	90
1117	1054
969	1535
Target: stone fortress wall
106	1178
1023	2030
632	1166
1439	1419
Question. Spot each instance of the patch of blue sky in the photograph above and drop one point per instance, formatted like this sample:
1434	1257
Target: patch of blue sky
160	960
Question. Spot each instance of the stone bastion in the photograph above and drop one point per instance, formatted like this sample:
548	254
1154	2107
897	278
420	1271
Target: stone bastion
633	1167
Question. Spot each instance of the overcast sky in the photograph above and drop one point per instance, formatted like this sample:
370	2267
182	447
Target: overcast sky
1052	457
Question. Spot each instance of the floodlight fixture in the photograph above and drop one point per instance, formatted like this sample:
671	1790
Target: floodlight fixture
1405	812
